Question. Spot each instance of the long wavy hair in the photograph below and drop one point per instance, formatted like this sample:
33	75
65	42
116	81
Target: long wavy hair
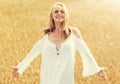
65	28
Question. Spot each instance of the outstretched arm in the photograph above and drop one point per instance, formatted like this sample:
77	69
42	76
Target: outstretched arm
35	51
90	66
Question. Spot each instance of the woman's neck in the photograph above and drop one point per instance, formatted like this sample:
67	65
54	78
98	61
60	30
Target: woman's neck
58	28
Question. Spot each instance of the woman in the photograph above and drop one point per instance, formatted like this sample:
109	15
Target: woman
58	47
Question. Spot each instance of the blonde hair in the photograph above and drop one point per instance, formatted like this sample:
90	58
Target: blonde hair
66	31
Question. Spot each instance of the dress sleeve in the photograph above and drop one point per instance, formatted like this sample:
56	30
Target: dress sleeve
90	66
34	52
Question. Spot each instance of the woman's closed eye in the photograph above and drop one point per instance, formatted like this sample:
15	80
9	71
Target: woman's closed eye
62	11
57	11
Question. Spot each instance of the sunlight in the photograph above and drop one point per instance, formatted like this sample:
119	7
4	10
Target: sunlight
115	2
113	5
108	5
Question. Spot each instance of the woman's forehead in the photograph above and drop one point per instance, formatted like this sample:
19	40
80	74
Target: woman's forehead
58	7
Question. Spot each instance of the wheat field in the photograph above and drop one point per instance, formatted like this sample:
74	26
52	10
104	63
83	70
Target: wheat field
22	23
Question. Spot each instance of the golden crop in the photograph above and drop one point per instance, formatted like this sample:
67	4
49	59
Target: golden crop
22	23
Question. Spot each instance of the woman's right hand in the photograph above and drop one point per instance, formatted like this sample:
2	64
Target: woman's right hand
15	72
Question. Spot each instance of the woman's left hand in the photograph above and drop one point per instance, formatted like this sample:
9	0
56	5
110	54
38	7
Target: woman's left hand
102	74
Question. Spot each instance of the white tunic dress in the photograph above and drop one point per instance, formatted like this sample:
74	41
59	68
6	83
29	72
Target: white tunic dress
59	69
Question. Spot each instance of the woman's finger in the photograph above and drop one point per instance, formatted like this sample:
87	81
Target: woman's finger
103	75
12	67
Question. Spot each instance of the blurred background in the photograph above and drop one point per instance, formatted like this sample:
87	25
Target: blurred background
22	23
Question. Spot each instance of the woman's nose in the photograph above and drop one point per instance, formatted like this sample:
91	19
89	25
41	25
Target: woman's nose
59	12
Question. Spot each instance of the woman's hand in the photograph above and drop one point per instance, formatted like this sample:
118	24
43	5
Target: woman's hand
15	72
102	74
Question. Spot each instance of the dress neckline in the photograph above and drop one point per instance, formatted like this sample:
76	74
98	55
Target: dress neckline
61	42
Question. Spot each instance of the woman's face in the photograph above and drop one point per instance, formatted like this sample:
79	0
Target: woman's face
58	14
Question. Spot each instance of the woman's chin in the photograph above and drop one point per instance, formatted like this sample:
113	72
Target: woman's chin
59	21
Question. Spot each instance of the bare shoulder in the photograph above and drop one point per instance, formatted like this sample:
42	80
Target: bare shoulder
76	31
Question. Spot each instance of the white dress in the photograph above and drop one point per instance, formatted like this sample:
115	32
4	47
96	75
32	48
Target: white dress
59	69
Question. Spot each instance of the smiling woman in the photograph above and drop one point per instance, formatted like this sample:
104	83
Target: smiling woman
58	47
59	17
